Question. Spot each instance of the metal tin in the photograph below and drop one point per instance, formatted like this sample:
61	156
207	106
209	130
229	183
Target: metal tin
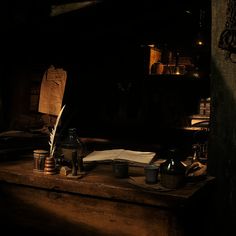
121	168
151	174
39	159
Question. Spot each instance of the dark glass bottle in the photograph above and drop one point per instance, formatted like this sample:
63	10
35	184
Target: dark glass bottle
72	149
196	153
172	171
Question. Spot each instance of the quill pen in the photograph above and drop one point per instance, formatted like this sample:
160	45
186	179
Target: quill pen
52	142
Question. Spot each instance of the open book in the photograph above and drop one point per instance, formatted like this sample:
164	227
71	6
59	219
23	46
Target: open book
135	157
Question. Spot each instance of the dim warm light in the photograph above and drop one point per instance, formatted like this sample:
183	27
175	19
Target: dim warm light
200	42
196	75
151	45
177	72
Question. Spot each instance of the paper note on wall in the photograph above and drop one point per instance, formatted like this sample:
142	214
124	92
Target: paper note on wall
52	91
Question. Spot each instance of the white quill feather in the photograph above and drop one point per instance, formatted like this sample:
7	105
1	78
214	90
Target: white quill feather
52	142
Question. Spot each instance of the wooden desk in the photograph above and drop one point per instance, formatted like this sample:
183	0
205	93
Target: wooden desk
97	204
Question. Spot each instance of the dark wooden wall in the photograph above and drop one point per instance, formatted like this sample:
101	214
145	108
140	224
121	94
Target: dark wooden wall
222	158
100	47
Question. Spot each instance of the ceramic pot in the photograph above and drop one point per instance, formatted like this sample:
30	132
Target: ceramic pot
172	172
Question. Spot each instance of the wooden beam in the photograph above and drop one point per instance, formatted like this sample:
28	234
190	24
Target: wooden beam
65	8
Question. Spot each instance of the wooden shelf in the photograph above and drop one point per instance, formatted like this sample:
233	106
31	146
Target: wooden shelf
177	77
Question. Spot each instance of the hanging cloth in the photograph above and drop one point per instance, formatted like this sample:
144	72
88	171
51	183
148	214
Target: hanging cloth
228	36
52	91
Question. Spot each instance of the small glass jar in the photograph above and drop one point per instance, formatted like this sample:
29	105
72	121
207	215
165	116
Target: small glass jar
157	68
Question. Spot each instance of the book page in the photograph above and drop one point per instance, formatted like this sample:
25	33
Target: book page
103	155
129	155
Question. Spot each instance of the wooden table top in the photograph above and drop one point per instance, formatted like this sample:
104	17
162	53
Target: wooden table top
100	182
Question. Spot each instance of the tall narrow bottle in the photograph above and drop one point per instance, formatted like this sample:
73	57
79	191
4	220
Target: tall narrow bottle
72	149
